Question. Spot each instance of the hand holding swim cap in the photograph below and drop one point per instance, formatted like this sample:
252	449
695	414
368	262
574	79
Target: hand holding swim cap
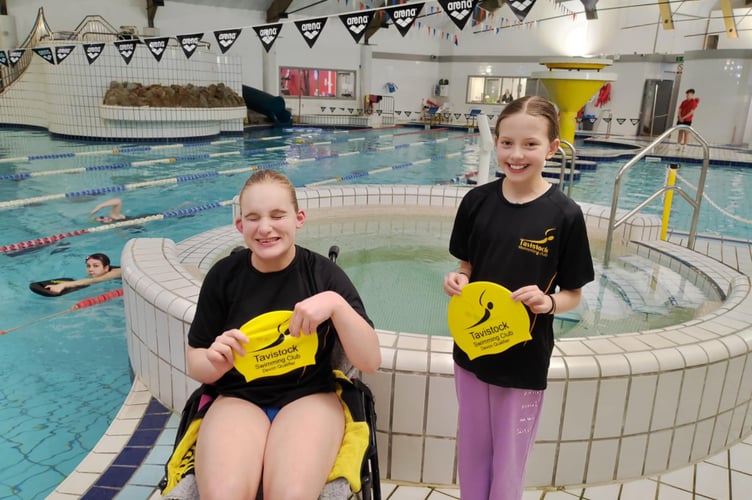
271	349
484	319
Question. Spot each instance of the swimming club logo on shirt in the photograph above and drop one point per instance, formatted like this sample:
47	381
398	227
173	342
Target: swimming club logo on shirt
484	319
538	246
271	350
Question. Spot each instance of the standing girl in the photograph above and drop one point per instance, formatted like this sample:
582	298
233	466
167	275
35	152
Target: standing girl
285	429
526	235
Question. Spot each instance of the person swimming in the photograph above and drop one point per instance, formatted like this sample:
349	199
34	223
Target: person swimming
115	213
97	267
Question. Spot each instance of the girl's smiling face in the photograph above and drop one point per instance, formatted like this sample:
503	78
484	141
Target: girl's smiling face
268	222
523	146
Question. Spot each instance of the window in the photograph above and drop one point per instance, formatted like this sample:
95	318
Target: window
494	89
311	82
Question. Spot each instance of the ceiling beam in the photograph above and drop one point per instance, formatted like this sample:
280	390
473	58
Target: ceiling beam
277	10
728	19
667	20
151	11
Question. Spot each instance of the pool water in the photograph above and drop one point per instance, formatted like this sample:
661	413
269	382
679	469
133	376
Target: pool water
398	267
69	372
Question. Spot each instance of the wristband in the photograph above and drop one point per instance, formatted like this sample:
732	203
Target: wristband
553	305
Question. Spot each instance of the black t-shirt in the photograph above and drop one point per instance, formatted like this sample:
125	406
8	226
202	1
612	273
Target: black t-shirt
233	293
542	242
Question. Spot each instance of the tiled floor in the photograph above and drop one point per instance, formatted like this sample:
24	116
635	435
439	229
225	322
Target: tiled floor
128	462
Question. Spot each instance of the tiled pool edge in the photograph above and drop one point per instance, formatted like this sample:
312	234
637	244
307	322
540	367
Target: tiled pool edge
132	452
407	356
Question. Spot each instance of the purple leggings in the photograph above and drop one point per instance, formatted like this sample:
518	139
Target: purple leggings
497	427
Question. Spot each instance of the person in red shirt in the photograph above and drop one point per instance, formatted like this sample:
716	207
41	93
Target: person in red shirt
686	114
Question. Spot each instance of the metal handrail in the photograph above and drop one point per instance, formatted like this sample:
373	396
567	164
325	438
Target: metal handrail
695	203
571	162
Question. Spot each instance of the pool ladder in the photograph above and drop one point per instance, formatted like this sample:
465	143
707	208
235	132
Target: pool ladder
613	223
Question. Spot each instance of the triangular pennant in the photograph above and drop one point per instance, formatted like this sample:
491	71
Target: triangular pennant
399	112
226	38
45	53
15	55
379	111
459	12
156	46
268	34
311	29
92	51
3	58
189	43
620	120
62	52
356	23
491	117
323	108
403	16
350	110
126	48
607	120
521	8
634	121
457	116
332	108
408	113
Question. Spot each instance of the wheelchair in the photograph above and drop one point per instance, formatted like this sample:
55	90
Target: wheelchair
178	482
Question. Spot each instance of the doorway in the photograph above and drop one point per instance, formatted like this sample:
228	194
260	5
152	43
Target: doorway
654	111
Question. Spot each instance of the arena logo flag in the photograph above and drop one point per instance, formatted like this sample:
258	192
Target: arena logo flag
93	51
126	48
45	53
459	11
521	8
403	16
311	29
356	24
226	38
189	43
156	46
15	55
3	58
268	34
62	52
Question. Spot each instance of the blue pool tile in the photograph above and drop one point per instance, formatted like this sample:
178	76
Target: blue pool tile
116	476
135	493
154	421
147	475
159	455
131	455
99	493
144	438
156	407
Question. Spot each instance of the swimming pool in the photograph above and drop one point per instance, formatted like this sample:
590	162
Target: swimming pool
168	179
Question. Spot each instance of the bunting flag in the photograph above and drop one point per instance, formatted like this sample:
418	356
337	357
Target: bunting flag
459	11
634	121
226	38
62	52
3	58
356	24
189	43
45	53
268	34
521	8
311	29
620	120
126	48
156	46
93	51
403	16
15	55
